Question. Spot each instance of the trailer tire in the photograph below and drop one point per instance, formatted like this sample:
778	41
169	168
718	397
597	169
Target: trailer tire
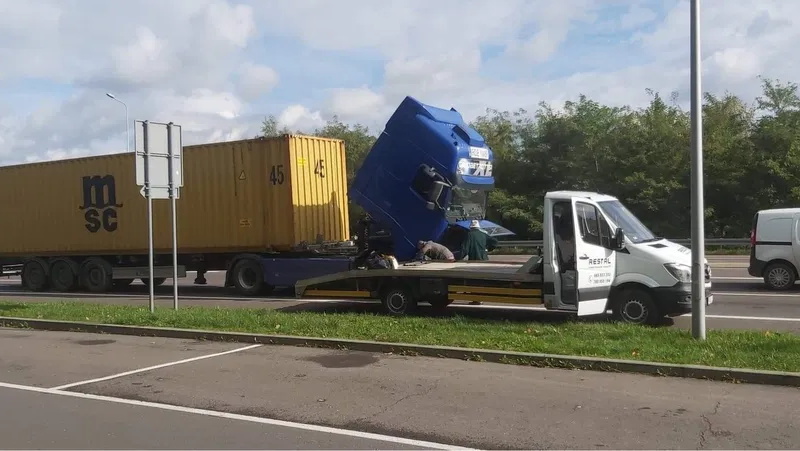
157	281
398	301
34	275
64	275
636	306
95	275
248	277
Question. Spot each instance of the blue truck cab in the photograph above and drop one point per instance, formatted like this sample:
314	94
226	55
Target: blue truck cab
426	178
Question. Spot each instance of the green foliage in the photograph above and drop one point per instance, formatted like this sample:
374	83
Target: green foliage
642	156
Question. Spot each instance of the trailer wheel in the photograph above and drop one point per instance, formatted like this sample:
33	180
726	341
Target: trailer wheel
636	306
157	281
398	301
248	277
62	276
34	276
95	275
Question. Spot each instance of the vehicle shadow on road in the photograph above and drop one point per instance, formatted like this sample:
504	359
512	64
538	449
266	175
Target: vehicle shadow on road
478	313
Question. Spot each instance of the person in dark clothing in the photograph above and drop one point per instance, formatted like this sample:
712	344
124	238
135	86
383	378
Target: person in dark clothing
434	251
477	243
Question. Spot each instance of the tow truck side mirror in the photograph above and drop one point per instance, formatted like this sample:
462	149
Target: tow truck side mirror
619	239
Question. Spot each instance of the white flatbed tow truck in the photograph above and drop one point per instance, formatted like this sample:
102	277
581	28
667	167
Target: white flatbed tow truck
596	257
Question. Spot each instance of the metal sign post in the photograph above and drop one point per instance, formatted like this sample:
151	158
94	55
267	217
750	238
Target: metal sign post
159	171
173	192
698	226
149	197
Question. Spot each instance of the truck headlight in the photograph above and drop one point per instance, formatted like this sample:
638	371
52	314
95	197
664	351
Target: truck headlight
681	273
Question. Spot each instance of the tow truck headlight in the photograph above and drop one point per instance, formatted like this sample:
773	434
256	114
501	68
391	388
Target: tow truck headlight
681	273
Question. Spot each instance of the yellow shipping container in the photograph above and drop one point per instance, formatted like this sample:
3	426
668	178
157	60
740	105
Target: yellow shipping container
244	196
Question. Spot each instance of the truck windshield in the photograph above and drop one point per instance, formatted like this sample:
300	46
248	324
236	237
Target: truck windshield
467	204
627	221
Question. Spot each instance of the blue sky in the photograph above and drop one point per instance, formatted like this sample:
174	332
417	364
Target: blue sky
218	67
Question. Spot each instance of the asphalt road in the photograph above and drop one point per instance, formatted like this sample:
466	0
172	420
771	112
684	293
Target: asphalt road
740	301
86	391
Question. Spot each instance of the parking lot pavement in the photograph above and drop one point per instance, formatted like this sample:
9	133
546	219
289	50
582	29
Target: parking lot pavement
470	404
50	359
51	421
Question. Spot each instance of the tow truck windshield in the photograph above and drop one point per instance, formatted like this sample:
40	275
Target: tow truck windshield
628	222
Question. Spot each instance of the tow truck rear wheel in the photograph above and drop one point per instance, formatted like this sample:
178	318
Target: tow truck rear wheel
398	301
636	306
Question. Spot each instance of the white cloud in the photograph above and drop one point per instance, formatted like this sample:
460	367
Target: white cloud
256	80
298	117
218	67
349	104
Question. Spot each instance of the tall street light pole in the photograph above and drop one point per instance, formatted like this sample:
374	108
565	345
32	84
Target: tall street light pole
127	126
698	227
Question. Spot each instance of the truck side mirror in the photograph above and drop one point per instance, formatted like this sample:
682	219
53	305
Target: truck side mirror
619	239
434	193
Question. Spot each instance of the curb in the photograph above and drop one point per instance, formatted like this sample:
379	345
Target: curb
735	375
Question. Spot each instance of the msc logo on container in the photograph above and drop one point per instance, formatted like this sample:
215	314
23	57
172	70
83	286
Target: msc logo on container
100	203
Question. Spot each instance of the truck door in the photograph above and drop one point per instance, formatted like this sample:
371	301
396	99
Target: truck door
595	261
796	240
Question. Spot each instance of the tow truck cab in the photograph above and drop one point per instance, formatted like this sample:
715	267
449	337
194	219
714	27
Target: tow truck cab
649	276
426	177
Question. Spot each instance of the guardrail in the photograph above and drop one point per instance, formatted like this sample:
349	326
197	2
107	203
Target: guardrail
722	242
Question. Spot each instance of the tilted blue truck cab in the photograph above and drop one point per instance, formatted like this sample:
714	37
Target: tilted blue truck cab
426	178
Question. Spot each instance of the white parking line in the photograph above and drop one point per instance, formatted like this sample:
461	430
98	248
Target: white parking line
233	416
154	367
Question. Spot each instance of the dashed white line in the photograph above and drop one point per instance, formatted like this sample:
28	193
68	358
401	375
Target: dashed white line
154	367
233	416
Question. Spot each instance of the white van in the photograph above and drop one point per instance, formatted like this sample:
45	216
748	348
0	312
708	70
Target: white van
775	247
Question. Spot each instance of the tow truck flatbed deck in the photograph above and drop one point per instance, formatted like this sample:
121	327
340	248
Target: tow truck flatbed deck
438	283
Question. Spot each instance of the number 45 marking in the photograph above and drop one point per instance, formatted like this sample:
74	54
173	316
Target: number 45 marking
276	175
319	169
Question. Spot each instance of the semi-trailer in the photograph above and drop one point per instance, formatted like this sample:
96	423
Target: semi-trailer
81	222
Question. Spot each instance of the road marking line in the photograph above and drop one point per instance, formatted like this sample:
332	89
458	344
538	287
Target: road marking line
154	367
234	416
756	294
749	318
736	278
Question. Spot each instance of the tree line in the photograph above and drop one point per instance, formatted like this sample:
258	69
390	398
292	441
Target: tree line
640	155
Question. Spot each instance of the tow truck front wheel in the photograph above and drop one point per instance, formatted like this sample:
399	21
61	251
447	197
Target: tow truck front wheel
398	301
636	306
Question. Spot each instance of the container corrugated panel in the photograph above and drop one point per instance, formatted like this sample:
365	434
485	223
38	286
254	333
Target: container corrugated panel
319	187
237	196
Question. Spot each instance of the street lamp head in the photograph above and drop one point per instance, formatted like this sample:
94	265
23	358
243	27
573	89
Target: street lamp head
110	96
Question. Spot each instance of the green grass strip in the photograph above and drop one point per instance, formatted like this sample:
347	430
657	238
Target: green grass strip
725	348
